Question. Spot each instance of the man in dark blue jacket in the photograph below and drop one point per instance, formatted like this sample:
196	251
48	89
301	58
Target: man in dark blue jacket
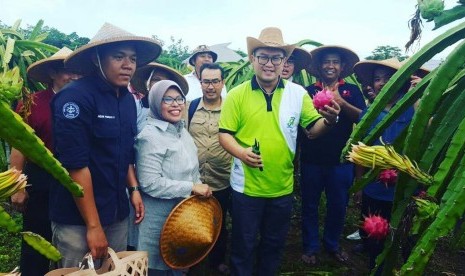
94	124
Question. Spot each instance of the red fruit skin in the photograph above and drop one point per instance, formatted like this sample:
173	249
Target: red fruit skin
376	227
322	98
388	177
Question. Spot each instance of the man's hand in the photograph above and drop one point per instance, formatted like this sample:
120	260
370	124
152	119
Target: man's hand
251	159
97	242
19	200
139	209
330	113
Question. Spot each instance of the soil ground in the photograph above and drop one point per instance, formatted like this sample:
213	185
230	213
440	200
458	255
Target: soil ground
445	261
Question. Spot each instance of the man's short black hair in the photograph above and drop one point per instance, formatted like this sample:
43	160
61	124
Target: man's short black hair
212	66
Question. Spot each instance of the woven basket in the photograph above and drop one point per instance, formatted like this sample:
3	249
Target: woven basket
124	263
190	231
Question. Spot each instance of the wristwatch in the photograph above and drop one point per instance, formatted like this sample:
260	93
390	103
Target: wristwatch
132	189
328	124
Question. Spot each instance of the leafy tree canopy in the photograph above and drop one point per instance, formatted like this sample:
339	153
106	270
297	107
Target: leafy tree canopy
385	52
59	39
174	54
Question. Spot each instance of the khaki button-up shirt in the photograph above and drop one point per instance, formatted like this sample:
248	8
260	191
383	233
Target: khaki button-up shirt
214	161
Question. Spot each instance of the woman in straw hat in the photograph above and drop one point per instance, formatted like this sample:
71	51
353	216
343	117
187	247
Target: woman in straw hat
33	201
167	167
377	197
299	60
144	78
94	129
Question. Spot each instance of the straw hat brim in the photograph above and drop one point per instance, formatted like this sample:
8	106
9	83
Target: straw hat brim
349	57
142	74
302	59
40	70
364	69
192	61
253	43
147	50
421	72
190	231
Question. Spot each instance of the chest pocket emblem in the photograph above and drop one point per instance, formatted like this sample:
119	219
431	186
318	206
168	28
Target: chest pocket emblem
70	110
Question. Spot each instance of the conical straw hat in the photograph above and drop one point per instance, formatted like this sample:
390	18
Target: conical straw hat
147	49
349	57
140	78
190	231
302	59
365	69
40	70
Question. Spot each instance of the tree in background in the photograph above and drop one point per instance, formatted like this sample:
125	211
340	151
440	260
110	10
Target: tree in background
52	36
60	40
385	52
174	54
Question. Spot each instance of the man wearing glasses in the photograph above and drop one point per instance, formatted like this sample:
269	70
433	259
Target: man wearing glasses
214	161
258	126
201	55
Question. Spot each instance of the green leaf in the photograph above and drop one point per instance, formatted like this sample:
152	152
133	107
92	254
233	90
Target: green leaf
25	44
10	44
36	31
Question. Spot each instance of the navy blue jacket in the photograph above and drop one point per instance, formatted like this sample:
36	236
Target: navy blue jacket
94	128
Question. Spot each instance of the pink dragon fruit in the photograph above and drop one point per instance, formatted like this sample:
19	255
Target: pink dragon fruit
322	98
376	227
388	177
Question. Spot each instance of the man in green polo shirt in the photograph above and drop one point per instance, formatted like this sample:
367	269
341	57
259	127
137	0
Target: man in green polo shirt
268	110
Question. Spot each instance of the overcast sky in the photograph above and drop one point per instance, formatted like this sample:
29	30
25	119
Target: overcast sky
361	25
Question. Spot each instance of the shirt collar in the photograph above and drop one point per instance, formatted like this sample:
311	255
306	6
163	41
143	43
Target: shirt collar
202	105
105	86
166	126
255	85
319	84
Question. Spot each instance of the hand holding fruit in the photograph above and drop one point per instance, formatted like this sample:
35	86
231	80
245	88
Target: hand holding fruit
331	112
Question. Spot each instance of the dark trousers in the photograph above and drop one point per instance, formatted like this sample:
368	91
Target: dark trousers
35	219
268	218
335	180
371	206
217	255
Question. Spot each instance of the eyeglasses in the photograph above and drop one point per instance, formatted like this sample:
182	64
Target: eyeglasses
214	82
290	61
169	100
263	60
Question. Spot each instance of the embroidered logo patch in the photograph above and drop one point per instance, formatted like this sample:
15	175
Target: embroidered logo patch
291	121
70	110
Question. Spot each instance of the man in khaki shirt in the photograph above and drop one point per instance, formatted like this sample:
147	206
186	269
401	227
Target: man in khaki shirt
214	161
